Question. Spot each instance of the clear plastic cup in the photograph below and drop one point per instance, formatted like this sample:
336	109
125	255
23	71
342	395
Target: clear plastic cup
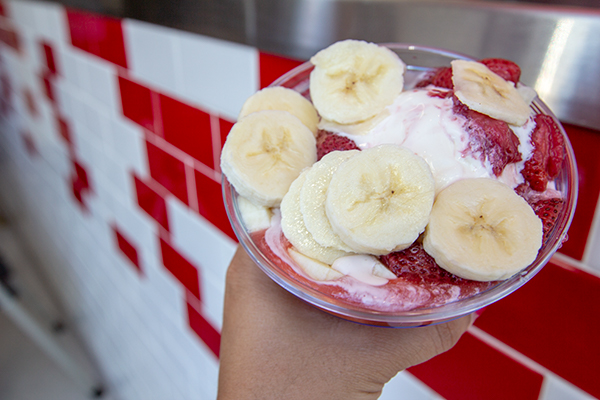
418	59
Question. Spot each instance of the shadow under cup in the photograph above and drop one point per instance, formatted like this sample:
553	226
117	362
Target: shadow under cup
418	60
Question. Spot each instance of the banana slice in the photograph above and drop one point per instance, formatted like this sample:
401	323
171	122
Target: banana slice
313	195
263	154
360	128
379	200
313	268
292	225
355	80
482	90
255	217
480	229
280	98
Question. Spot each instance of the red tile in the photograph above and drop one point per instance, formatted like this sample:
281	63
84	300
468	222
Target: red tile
151	202
64	131
168	171
473	370
187	128
182	269
77	191
127	249
98	35
47	85
80	183
553	319
10	38
49	55
210	203
29	144
205	331
273	66
30	101
224	128
136	102
81	175
585	142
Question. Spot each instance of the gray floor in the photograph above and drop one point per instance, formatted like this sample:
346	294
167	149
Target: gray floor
26	373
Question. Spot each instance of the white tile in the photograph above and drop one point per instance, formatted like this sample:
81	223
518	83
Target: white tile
406	386
129	146
58	159
32	50
69	65
213	294
556	388
120	179
218	75
151	53
51	23
21	12
62	96
199	240
102	84
90	154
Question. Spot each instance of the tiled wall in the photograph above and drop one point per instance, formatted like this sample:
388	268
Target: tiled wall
109	145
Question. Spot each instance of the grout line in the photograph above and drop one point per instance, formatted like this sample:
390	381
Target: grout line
566	261
190	181
592	234
520	358
181	155
508	351
156	110
215	131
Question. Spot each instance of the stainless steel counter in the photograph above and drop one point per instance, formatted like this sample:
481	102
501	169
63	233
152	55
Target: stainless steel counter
557	47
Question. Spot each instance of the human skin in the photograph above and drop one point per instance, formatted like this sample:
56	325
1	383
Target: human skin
274	346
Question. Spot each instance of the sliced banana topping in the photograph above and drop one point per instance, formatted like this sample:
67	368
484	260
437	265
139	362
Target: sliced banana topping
284	99
484	91
255	217
360	128
480	229
355	80
265	152
314	194
294	229
379	200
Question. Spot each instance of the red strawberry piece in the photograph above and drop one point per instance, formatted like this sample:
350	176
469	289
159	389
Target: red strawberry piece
440	77
329	141
506	69
548	153
427	80
548	211
490	138
443	78
416	266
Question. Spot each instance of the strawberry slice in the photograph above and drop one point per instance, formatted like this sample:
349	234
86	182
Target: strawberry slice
490	138
548	153
548	211
506	69
416	266
329	141
440	77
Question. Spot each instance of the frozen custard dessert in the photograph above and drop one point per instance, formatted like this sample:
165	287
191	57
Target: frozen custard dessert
394	190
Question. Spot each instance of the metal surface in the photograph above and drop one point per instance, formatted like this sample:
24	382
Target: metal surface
557	47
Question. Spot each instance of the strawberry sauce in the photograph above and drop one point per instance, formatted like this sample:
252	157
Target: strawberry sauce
434	288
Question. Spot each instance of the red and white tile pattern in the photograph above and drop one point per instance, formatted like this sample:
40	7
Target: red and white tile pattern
111	132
